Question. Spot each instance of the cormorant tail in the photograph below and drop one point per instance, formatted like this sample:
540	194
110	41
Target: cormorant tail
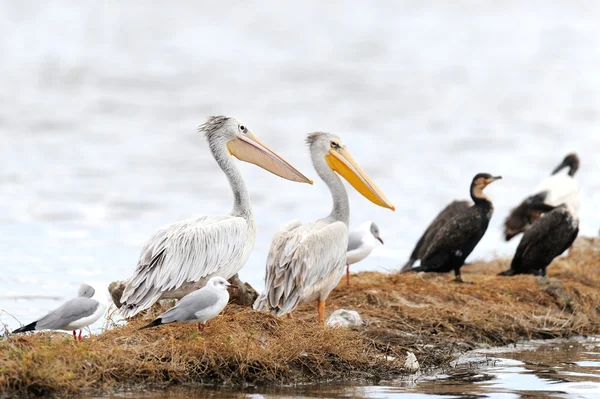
509	272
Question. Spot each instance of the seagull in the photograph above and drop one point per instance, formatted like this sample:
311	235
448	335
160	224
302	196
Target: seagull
306	261
73	315
183	256
360	244
199	306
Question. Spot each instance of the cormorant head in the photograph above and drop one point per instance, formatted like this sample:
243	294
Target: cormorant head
571	161
480	181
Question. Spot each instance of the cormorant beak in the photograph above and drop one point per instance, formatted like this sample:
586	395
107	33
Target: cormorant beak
492	179
380	240
341	161
248	148
560	167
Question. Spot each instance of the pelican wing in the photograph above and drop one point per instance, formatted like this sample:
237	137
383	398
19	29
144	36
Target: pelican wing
185	252
303	260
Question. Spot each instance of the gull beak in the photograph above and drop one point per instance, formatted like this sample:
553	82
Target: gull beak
249	148
492	179
341	161
380	240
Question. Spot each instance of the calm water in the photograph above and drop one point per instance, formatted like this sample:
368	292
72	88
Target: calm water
100	102
558	369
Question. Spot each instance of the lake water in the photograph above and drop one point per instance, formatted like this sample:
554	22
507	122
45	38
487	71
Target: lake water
537	369
100	102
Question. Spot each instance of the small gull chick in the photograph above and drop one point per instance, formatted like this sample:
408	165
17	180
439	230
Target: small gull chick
199	306
360	244
73	315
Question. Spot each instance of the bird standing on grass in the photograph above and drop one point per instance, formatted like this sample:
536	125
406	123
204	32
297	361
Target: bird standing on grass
183	256
360	244
453	209
556	189
73	315
546	239
199	306
306	261
455	241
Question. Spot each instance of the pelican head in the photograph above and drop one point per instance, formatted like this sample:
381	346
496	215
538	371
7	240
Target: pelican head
331	148
245	146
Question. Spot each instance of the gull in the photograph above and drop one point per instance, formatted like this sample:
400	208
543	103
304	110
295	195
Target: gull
360	244
73	315
199	306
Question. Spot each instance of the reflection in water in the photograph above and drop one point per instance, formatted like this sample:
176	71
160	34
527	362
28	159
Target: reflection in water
539	369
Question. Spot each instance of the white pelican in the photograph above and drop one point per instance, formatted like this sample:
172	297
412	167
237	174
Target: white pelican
73	315
199	306
306	261
360	244
556	189
181	257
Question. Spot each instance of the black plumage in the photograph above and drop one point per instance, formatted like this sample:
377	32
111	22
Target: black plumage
28	327
549	237
453	209
532	208
455	241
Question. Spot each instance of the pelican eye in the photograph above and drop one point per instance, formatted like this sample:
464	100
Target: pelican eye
243	129
336	145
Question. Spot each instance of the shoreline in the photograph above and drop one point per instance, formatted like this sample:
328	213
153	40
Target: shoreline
426	314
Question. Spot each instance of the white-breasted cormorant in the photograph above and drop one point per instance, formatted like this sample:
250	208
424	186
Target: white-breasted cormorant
453	209
556	189
455	241
546	239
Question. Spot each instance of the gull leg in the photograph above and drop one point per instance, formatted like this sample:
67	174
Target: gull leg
347	275
75	335
200	326
80	338
288	315
321	311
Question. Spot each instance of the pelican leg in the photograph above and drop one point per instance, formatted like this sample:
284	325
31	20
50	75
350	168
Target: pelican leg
200	326
347	275
289	315
321	311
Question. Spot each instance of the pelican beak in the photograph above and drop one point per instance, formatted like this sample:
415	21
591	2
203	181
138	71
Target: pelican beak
249	148
492	179
343	163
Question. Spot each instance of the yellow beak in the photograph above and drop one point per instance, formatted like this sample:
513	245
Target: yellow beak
343	163
249	148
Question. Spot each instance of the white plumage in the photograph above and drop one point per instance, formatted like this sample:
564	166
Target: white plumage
181	257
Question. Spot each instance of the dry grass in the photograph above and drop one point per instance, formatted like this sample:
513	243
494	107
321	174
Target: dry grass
427	314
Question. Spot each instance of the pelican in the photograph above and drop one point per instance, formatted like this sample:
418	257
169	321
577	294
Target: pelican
554	190
182	257
306	261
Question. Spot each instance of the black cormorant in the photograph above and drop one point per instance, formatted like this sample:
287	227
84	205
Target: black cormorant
546	239
556	189
455	241
453	209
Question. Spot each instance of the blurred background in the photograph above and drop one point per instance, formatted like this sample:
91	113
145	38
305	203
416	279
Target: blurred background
100	102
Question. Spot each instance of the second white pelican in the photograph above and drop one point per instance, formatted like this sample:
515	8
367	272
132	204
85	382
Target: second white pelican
306	261
181	257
